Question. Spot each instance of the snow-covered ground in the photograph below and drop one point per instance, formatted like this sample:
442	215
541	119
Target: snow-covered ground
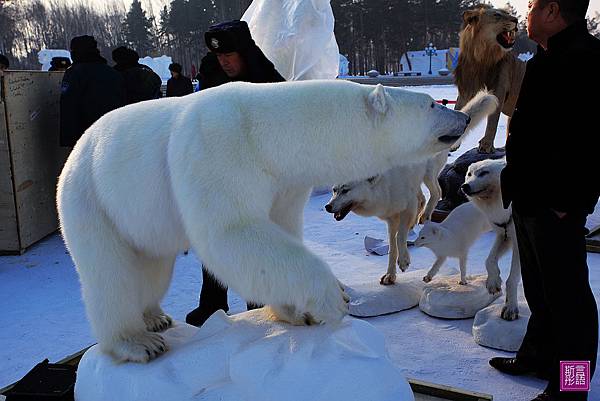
42	315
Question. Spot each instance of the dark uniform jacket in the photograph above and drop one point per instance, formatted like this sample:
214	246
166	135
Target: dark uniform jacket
180	86
89	90
141	83
258	69
553	148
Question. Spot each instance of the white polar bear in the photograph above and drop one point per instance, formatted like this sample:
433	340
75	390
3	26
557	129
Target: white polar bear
228	171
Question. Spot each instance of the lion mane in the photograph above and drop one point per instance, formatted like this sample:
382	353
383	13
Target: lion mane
486	61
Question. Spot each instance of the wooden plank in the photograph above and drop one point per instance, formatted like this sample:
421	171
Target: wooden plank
32	111
446	392
9	235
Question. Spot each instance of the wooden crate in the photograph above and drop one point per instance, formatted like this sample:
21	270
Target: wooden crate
30	157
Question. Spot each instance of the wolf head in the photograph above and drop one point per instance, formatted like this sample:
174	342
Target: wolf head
347	197
483	179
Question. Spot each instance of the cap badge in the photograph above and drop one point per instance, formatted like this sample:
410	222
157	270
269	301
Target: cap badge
214	43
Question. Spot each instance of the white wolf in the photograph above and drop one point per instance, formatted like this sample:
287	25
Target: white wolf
395	197
227	171
453	237
482	187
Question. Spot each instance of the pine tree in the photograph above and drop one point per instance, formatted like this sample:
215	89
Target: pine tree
137	28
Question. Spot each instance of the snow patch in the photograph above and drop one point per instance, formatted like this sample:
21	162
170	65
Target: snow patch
444	297
249	357
490	330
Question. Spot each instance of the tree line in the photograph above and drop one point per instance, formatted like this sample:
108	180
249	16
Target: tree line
370	33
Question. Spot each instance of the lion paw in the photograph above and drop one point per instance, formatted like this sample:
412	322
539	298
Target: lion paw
486	147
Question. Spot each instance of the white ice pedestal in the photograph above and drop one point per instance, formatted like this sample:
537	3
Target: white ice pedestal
490	330
373	299
444	297
248	357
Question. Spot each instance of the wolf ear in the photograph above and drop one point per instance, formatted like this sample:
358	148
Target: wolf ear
470	16
378	100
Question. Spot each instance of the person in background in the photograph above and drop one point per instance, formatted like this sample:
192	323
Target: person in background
178	84
59	64
141	83
90	89
551	179
4	64
233	56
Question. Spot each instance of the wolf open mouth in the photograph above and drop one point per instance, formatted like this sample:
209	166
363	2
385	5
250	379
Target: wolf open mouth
507	38
339	216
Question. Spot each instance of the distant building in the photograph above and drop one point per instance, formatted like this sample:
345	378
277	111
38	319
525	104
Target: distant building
418	61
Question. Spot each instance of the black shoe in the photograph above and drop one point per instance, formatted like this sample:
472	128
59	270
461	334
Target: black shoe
515	367
198	316
545	396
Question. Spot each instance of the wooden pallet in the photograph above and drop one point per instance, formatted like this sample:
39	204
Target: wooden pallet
424	391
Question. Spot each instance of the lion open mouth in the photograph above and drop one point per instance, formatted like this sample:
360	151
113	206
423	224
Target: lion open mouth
507	39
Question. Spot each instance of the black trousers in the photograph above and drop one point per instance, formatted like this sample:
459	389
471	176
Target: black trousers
213	296
564	316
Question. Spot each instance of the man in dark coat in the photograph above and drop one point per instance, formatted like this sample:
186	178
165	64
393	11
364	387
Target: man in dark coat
551	178
178	84
141	83
59	64
234	57
90	89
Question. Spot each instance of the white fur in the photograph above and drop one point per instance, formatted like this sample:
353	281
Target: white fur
395	197
482	187
453	237
226	171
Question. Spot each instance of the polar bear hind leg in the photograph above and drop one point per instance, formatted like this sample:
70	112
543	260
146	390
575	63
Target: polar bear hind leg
121	286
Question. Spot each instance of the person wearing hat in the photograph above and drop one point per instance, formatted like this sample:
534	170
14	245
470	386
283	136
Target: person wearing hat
233	56
90	89
59	64
4	64
178	84
141	83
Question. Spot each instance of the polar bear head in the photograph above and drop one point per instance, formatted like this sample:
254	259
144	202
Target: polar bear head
434	127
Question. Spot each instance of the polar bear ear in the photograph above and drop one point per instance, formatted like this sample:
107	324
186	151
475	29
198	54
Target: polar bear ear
378	100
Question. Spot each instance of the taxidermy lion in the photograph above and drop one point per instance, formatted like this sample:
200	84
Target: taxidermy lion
485	61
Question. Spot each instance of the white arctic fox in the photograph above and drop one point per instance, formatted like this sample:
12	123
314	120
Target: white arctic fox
453	237
227	171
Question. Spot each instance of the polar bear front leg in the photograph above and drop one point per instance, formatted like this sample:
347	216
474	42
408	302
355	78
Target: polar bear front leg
265	264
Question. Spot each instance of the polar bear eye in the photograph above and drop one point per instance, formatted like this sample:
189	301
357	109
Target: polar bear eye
432	105
483	173
469	174
344	191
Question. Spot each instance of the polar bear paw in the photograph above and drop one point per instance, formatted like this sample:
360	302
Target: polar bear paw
157	322
331	308
388	279
141	347
493	284
510	313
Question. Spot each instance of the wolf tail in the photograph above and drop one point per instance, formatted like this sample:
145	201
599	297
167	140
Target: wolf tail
482	105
